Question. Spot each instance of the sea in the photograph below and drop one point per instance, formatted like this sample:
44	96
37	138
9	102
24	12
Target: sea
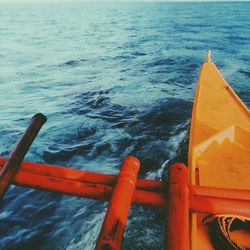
113	79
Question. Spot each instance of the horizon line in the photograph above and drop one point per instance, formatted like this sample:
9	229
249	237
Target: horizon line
120	1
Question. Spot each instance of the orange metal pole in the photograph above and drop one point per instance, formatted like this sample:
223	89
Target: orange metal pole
84	189
69	187
115	220
178	209
64	181
198	203
151	199
82	175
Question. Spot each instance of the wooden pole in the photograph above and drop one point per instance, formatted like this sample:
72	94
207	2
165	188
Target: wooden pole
16	157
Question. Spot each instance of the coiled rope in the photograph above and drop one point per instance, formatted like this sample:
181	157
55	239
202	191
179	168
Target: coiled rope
221	228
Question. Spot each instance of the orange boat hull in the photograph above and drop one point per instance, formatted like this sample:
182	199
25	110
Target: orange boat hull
219	146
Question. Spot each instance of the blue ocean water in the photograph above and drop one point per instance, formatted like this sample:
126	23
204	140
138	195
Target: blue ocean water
113	80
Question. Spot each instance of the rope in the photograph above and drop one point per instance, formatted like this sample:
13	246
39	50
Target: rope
221	227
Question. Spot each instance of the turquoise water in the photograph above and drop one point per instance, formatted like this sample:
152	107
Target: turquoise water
113	80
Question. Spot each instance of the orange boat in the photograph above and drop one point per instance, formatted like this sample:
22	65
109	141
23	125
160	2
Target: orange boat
219	153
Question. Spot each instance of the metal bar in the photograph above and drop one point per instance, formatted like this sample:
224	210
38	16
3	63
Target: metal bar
177	237
99	192
116	217
83	175
16	157
200	201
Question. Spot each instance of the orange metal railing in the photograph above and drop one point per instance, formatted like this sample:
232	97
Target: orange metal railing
147	192
178	198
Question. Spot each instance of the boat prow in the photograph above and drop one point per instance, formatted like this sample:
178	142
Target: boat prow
219	147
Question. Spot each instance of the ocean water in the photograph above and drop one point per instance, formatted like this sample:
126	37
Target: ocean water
113	80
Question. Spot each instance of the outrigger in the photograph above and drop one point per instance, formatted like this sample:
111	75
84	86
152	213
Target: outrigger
207	203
